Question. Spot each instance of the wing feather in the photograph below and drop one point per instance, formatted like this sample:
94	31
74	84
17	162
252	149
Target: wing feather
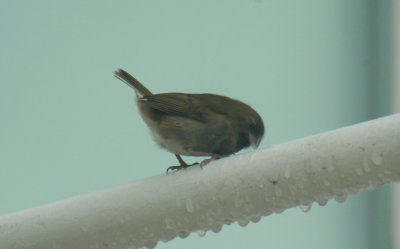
178	104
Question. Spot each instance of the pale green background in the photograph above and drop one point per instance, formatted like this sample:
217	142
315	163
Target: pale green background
69	127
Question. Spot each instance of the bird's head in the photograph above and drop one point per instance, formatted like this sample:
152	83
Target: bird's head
256	131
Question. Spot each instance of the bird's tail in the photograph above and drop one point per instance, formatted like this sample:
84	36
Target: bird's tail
132	82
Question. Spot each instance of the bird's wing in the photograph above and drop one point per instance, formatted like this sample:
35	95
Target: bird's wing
178	104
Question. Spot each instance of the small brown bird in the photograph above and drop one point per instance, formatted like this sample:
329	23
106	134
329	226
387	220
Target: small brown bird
196	124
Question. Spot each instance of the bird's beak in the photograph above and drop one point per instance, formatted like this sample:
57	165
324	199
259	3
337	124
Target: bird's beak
254	142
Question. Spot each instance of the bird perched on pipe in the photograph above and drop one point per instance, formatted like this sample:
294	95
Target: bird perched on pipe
196	124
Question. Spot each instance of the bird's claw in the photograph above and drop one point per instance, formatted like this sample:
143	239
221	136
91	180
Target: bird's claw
182	166
209	160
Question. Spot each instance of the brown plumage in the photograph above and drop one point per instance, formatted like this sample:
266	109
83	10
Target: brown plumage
197	124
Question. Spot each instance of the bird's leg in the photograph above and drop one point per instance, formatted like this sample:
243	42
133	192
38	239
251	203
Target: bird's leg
209	160
182	163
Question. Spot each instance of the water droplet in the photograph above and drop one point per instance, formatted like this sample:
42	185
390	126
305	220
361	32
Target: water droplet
359	172
228	221
216	228
183	234
377	159
201	233
167	236
243	223
189	206
256	219
278	191
287	173
322	202
305	208
341	198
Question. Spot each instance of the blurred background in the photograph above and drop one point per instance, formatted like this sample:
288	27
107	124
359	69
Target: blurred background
68	126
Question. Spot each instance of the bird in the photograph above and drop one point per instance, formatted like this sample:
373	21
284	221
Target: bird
205	124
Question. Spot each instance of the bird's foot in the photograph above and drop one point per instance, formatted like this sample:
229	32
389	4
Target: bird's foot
183	164
206	161
179	167
209	160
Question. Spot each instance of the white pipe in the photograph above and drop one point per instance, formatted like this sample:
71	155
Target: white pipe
239	188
